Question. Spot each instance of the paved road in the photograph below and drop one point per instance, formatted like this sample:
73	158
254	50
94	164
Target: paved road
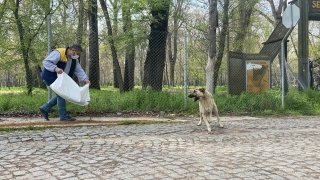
247	148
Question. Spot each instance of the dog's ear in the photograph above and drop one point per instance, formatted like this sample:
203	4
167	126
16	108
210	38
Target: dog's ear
202	90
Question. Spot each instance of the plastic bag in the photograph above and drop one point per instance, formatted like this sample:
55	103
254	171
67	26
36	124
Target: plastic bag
69	90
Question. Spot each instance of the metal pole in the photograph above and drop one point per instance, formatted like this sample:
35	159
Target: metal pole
303	45
49	45
49	33
283	58
185	70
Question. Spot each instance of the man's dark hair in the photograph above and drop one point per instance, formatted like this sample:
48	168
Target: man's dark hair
76	47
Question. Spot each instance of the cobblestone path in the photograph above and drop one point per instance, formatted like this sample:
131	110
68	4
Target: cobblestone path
261	148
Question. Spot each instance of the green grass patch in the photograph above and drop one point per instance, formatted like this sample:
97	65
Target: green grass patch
171	101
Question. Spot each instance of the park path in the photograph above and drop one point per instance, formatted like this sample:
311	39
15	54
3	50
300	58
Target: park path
247	148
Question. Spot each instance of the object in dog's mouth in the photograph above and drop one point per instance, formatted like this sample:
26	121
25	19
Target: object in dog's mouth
196	98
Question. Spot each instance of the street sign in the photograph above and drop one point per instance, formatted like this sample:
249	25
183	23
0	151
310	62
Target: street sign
314	6
290	19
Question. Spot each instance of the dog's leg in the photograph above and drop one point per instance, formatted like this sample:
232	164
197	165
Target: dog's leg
201	114
200	121
205	119
215	109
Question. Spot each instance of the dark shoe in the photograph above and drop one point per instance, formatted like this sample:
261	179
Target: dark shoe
44	114
68	118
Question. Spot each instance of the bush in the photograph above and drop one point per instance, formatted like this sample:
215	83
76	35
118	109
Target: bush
298	102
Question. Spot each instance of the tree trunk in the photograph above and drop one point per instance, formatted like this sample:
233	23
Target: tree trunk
8	79
36	78
128	83
94	67
81	18
115	9
79	36
222	41
118	82
40	80
156	55
173	56
84	54
23	47
213	21
171	61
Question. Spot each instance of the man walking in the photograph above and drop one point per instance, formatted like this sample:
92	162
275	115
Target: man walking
58	61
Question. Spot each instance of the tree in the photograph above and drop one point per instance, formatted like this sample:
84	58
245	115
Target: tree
172	53
94	45
212	28
27	34
276	12
245	11
222	41
117	74
130	49
156	55
2	8
82	32
274	20
116	67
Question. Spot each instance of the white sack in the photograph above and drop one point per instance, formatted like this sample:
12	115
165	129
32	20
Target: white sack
69	90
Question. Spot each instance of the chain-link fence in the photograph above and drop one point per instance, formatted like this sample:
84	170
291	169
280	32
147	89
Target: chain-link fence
315	74
162	64
156	61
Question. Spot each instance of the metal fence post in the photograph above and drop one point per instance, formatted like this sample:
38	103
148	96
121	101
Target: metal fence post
283	61
49	47
185	70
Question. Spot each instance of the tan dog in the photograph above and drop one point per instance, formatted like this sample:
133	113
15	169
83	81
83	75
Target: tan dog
206	106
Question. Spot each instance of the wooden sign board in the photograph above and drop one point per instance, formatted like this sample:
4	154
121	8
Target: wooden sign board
257	76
